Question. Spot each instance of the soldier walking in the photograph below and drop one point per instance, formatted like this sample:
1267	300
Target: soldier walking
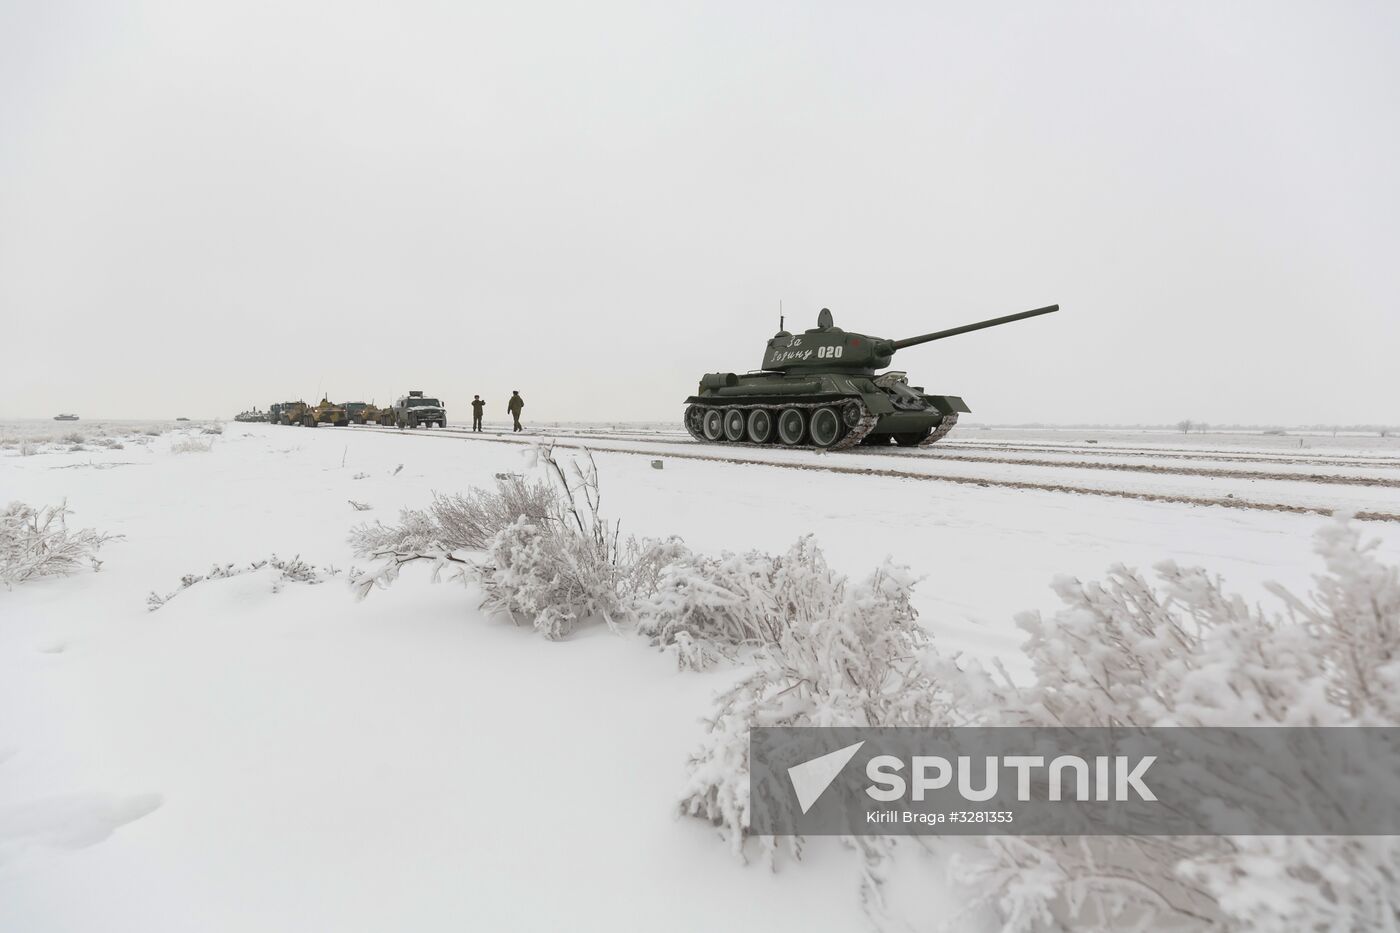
513	406
478	406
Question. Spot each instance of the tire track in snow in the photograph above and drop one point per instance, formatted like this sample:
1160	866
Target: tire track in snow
1180	453
853	470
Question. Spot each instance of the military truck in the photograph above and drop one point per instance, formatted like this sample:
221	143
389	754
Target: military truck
414	409
286	412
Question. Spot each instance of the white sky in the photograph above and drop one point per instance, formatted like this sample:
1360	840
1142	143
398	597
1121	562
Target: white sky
208	206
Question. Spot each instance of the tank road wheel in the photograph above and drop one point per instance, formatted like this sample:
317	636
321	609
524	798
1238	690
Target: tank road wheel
792	426
713	424
760	425
911	438
693	416
734	425
826	427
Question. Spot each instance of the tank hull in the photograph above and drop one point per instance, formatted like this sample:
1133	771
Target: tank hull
837	410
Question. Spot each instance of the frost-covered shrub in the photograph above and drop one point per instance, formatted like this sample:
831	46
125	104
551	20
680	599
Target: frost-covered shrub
465	522
38	542
215	428
1187	653
191	445
292	570
702	606
74	437
832	653
539	551
556	576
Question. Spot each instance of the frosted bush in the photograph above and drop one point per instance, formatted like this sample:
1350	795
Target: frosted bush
191	445
38	542
539	551
1187	653
456	523
292	570
554	576
832	653
702	607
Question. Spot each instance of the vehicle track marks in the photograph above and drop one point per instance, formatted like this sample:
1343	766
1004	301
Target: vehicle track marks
855	470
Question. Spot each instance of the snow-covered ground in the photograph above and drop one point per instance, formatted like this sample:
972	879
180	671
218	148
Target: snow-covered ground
243	759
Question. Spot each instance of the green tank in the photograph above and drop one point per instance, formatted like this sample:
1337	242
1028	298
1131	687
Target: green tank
821	389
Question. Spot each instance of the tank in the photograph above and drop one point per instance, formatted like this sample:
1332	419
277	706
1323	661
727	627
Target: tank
822	389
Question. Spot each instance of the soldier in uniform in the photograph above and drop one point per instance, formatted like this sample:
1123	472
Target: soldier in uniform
478	406
513	406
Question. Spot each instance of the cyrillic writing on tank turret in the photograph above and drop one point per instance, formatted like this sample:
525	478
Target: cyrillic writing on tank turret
783	356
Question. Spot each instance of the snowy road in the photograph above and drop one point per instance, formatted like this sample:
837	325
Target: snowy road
1372	489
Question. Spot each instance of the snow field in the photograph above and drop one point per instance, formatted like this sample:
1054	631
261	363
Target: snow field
241	759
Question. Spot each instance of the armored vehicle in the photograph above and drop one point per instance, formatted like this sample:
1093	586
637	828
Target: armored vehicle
251	414
820	389
362	412
413	409
326	412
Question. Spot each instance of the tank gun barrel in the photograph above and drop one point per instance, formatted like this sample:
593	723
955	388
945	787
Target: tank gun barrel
968	328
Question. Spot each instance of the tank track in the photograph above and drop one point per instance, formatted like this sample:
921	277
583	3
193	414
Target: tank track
854	434
940	432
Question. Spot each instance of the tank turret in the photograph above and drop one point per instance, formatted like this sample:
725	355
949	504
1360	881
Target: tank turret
828	347
820	389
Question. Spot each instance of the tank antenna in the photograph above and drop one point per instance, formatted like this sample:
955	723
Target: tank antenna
780	314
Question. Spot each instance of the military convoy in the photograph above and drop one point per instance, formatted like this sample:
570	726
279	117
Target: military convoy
410	411
820	389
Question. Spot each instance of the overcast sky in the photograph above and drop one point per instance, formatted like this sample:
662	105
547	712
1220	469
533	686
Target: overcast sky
210	206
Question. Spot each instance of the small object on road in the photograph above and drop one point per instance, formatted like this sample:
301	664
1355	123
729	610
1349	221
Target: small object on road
657	464
396	470
359	506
